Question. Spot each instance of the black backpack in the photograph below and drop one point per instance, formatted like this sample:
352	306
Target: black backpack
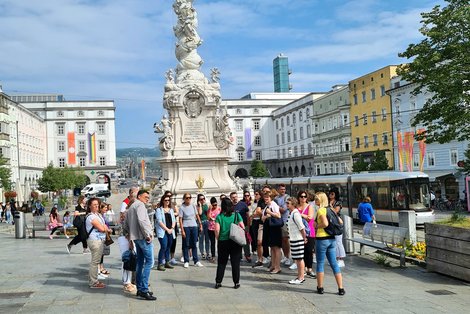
334	226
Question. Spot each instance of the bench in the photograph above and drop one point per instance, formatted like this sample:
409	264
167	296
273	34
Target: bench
40	223
383	237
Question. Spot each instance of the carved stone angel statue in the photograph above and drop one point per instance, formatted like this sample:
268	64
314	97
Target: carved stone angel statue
166	141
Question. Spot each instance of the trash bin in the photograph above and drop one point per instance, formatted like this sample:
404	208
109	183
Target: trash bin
20	225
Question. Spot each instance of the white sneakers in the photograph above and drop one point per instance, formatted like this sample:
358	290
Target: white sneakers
296	281
288	262
198	264
293	266
283	260
102	276
186	265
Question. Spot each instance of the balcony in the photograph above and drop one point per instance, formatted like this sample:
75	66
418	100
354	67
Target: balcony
4	136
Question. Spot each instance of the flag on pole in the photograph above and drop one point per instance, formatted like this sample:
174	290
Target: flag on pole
400	151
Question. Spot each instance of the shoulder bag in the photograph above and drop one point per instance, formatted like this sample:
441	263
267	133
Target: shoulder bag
237	234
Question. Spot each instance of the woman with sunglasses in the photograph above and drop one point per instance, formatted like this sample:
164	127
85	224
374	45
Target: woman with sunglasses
204	241
165	224
189	221
212	214
307	213
273	236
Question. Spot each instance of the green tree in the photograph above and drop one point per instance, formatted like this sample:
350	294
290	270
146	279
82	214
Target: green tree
441	65
258	169
56	179
380	161
466	163
360	165
5	174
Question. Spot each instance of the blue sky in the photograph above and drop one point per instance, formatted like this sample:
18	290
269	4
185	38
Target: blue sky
120	49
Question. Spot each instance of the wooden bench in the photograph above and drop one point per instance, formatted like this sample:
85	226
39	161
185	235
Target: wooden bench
40	223
383	237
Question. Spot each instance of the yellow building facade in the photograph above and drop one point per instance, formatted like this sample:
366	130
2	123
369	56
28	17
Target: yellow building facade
371	119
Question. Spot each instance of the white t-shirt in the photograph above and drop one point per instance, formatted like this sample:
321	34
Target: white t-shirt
95	234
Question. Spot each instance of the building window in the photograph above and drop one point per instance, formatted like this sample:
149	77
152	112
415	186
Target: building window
372	94
277	124
258	140
278	152
307	112
294	118
356	121
317	128
81	145
282	123
384	114
374	117
277	139
310	149
60	113
376	139
283	138
301	116
60	128
302	150
358	142
364	118
363	96
258	155
294	134
296	152
100	113
309	131
288	136
454	156
382	90
355	99
288	120
240	156
61	162
239	141
101	145
256	124
101	128
415	160
238	125
431	160
61	146
80	113
81	128
238	111
82	161
345	120
366	141
385	138
301	132
102	161
283	153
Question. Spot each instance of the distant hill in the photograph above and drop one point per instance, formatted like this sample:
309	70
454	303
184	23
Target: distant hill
137	151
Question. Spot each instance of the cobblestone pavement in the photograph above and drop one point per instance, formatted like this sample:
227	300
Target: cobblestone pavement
38	276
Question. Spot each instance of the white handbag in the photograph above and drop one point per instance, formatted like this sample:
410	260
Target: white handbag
237	234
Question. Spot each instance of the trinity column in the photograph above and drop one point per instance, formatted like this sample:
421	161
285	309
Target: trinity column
195	132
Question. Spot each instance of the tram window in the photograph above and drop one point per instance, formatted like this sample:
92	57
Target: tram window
398	194
382	195
419	195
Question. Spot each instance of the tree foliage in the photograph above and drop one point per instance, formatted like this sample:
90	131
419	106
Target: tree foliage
56	179
5	174
258	169
380	162
360	165
441	66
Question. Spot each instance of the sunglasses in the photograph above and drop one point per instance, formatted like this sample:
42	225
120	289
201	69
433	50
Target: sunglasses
215	204
247	195
166	200
303	196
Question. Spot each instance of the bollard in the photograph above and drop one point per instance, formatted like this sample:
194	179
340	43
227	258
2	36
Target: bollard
20	225
348	234
407	219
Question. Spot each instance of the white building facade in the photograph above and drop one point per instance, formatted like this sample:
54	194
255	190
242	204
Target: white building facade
439	161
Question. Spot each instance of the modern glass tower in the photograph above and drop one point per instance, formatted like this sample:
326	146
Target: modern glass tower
281	74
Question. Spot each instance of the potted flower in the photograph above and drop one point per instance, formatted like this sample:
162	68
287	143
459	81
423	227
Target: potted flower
9	195
447	246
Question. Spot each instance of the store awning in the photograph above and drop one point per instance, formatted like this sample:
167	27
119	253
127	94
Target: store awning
438	175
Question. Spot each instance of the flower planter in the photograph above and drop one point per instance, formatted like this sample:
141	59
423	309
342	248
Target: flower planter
448	250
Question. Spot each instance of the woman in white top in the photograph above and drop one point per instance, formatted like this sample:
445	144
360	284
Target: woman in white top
96	230
274	234
297	239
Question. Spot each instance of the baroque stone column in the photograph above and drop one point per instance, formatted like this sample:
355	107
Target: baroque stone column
195	132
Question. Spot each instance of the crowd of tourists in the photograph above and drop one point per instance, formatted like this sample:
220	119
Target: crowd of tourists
279	230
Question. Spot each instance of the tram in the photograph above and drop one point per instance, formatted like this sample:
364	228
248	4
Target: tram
390	192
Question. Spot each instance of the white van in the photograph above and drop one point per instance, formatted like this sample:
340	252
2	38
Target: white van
96	188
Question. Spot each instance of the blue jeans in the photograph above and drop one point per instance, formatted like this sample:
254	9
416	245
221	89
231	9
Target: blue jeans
326	247
190	243
165	245
204	238
144	264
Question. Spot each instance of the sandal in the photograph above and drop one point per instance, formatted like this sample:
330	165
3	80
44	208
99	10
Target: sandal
98	285
105	272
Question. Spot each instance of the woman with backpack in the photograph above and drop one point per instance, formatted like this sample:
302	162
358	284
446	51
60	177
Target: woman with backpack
326	244
297	239
336	205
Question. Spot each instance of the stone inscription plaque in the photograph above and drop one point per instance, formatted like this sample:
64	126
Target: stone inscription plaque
194	132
